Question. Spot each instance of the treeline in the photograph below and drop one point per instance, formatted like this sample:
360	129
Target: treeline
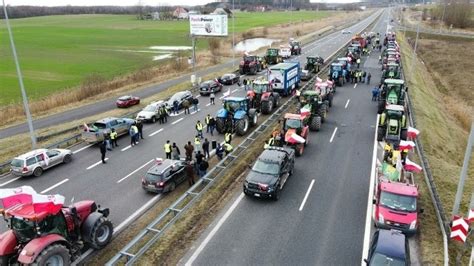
452	12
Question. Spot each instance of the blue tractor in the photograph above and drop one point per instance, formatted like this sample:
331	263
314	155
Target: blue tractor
335	73
236	116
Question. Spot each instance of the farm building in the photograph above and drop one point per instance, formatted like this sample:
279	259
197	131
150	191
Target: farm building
181	13
223	11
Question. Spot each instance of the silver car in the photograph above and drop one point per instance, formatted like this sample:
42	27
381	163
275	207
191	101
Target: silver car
36	161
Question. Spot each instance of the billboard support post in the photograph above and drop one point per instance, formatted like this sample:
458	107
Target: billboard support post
194	52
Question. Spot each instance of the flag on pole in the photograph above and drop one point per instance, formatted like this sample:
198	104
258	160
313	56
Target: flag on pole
305	111
412	166
406	145
86	128
413	132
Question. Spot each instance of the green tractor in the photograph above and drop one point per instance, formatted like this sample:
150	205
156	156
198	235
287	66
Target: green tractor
313	109
313	63
393	92
392	125
392	71
272	56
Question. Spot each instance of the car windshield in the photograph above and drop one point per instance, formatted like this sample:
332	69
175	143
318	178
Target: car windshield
227	76
381	259
99	125
272	52
153	177
264	167
398	202
17	162
232	106
124	98
150	108
249	58
24	230
292	123
205	85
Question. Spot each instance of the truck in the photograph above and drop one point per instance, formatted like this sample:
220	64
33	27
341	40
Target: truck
285	77
96	131
285	51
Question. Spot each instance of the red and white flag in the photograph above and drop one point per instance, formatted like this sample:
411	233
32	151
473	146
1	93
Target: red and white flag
45	158
412	166
305	111
406	145
319	80
459	229
86	128
413	132
292	138
26	195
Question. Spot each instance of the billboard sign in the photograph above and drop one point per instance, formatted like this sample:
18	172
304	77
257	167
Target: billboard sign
208	25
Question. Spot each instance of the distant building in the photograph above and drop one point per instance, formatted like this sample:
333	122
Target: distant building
223	11
181	13
155	16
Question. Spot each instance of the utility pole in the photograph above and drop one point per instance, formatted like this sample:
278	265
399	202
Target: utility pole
233	34
20	80
442	17
465	166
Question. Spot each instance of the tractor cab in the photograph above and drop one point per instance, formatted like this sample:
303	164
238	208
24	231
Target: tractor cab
335	73
322	88
392	71
293	121
393	123
272	51
394	91
272	56
344	61
234	104
313	63
260	86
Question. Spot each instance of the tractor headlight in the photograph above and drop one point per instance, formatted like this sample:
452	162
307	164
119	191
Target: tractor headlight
413	225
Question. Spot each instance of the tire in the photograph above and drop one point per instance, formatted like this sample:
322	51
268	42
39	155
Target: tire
242	126
276	100
171	187
315	124
299	149
101	233
67	158
267	106
38	171
380	133
404	134
330	97
276	194
253	117
241	71
381	107
322	113
55	254
4	260
220	125
153	119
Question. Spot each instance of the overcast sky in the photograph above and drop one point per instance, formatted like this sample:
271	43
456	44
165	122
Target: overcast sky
126	2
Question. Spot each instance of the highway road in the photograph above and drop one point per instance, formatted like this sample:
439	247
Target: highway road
320	217
117	184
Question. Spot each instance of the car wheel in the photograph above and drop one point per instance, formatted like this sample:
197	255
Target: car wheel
171	186
276	194
38	171
67	158
153	119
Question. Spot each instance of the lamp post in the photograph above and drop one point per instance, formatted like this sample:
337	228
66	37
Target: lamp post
233	34
20	80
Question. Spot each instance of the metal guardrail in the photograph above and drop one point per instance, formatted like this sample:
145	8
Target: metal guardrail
157	227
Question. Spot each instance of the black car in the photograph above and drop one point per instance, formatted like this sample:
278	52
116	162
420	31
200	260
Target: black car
229	79
270	173
164	176
179	97
207	87
389	247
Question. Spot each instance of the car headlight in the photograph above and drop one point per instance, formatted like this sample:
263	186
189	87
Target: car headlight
413	225
270	189
381	218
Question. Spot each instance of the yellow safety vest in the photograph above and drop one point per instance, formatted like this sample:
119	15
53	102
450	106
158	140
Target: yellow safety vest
199	126
167	148
269	143
113	135
207	120
197	141
227	137
228	147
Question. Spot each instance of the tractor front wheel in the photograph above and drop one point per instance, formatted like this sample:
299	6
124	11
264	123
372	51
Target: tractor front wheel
101	233
322	113
242	126
381	107
220	125
380	133
315	124
56	254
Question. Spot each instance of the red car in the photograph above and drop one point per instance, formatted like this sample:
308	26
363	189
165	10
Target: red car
127	101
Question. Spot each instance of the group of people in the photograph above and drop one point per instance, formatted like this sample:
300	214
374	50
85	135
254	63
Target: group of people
110	138
358	76
186	104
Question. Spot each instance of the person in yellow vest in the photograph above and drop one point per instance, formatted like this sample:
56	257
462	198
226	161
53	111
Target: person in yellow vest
199	128
113	138
270	142
228	137
168	149
197	144
228	148
207	120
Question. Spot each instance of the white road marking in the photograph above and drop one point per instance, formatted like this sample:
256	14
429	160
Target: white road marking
208	104
136	170
214	230
222	97
9	181
195	111
156	132
177	121
368	216
97	163
347	103
83	148
355	85
234	90
199	95
54	186
126	148
306	196
333	134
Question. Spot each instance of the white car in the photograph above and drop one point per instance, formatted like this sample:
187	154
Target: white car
36	161
346	31
151	112
285	52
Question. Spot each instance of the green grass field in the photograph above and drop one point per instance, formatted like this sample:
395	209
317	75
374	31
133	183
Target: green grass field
58	52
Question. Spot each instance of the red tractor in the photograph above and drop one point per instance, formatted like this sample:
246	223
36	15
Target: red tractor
44	232
262	97
296	132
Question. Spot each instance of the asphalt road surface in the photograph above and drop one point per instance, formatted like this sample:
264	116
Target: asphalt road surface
117	184
320	217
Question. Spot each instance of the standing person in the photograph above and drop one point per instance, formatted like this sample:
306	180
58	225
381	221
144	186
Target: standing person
186	105
203	168
206	120
140	128
197	143
228	148
189	173
199	159
103	150
212	125
245	84
368	77
219	151
133	131
175	152
189	149
107	141
358	62
161	117
199	128
212	98
364	75
113	138
375	93
228	137
195	104
176	107
167	148
205	148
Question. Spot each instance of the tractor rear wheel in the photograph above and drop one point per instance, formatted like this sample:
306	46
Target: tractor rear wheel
404	134
315	124
299	149
380	133
101	233
220	125
242	126
267	106
253	117
322	113
55	254
330	97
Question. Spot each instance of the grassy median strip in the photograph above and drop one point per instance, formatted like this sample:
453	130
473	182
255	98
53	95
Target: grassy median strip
443	113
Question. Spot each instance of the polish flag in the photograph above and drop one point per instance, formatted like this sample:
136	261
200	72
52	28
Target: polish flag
86	128
406	145
411	166
413	132
227	93
12	198
319	80
292	138
305	111
45	158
